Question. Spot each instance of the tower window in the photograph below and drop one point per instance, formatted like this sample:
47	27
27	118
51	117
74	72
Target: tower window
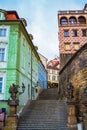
81	20
67	46
84	32
76	45
74	33
72	20
66	33
63	20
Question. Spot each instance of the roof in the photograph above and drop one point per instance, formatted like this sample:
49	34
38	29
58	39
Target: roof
53	64
12	15
42	55
64	12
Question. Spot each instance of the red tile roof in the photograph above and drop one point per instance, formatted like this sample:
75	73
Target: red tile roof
53	63
12	15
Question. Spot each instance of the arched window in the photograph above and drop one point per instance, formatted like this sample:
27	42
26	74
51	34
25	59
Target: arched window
72	20
63	20
81	20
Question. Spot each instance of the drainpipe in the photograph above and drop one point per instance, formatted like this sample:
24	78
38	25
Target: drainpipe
31	74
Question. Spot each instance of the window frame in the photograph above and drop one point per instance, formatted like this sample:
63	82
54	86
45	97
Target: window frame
53	78
3	32
76	43
82	20
0	15
84	34
67	43
66	33
2	55
1	87
75	33
72	20
63	21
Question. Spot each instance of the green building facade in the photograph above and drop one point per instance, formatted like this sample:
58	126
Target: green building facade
18	59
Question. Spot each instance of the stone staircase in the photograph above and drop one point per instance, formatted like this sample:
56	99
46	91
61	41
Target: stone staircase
45	113
48	94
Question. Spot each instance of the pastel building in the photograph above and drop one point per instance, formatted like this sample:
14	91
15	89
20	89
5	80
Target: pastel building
53	67
18	58
42	76
43	60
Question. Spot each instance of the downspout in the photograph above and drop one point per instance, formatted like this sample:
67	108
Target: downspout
31	74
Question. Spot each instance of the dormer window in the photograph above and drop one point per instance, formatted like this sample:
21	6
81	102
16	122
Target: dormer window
0	16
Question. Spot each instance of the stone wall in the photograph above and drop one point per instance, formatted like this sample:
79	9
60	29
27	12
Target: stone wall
75	73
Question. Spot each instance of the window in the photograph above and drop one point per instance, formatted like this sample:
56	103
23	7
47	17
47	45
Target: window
72	20
1	83
66	33
63	21
53	78
2	32
24	42
74	33
53	71
84	32
76	45
67	46
33	92
2	54
49	77
81	20
0	16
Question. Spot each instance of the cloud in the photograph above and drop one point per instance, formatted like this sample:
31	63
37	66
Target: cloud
44	33
41	16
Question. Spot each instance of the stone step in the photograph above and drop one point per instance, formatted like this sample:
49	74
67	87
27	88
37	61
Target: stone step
46	113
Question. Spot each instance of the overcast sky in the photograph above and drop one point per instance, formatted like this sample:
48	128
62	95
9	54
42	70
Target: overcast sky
42	23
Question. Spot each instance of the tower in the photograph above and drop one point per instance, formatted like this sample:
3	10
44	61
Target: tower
72	32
